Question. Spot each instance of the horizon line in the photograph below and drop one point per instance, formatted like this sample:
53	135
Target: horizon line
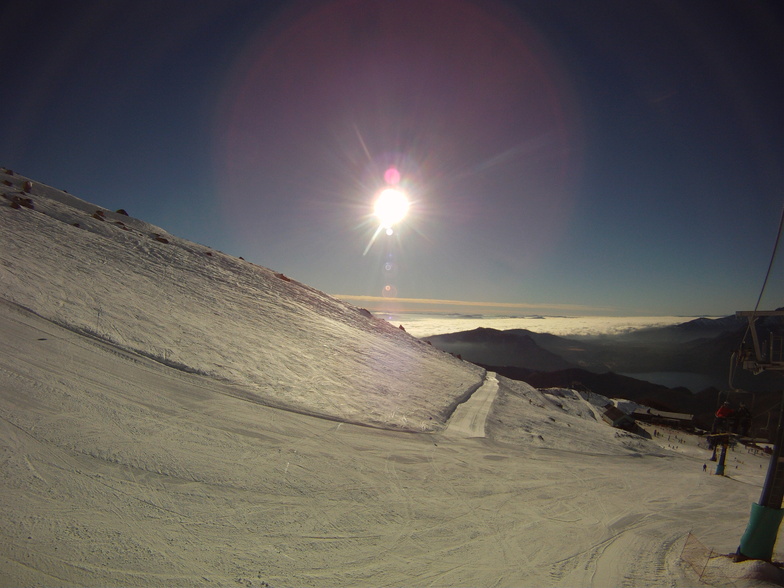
391	302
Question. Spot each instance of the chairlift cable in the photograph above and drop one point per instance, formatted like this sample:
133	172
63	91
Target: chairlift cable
767	274
772	257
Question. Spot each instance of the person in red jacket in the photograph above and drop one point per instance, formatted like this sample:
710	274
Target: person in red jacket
720	423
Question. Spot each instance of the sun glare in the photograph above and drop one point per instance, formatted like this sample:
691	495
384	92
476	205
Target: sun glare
391	207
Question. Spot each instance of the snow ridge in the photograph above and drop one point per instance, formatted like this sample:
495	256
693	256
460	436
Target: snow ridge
135	286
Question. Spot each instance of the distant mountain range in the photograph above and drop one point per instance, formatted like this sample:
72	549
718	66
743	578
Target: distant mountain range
607	364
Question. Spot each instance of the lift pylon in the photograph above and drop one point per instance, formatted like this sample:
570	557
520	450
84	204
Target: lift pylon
762	530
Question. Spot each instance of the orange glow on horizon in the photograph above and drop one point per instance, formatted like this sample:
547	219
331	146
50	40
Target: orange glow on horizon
432	304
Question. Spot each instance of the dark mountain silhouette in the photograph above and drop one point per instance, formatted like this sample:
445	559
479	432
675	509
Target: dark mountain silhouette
491	346
701	346
700	328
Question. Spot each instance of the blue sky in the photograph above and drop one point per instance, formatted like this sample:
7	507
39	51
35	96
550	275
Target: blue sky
570	157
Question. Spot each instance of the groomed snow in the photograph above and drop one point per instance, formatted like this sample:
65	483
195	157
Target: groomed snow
144	441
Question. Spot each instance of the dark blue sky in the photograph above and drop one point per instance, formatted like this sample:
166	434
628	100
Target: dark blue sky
562	157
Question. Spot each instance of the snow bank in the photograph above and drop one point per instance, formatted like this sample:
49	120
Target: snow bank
129	283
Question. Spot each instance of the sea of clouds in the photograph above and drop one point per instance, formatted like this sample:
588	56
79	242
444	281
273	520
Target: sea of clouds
425	325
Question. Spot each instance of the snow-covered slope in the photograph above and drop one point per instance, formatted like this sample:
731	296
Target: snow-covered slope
132	284
138	446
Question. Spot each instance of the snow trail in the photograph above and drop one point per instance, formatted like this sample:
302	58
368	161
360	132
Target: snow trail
468	420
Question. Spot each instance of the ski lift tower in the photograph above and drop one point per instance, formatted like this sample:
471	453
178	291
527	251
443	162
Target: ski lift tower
766	355
762	530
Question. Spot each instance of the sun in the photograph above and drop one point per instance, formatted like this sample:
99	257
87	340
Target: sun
391	207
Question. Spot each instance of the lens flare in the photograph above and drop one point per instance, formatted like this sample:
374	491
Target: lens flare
392	176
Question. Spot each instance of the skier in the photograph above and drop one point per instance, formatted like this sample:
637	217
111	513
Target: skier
743	420
722	415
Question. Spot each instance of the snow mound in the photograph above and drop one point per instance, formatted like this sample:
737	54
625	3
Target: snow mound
559	418
133	285
584	405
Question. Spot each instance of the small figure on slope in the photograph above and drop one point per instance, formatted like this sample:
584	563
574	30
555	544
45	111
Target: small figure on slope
743	420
